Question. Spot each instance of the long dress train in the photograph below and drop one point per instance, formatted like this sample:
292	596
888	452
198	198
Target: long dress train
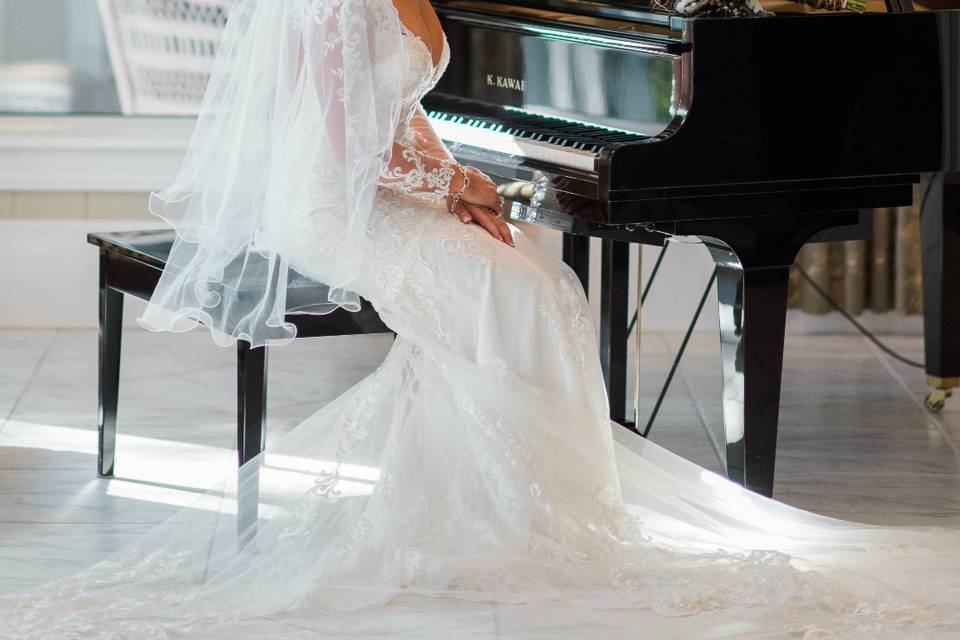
474	487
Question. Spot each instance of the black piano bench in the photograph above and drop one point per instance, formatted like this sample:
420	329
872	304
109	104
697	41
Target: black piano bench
131	263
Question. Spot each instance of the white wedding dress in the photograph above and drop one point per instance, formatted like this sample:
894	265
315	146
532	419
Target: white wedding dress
474	487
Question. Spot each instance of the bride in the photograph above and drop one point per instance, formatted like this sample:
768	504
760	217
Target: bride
473	485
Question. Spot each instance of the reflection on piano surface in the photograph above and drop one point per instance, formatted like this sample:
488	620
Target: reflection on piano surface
605	119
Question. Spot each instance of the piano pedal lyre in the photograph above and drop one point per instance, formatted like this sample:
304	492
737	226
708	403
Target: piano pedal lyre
942	389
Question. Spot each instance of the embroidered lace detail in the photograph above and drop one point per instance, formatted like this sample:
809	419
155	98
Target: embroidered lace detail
305	13
567	316
414	175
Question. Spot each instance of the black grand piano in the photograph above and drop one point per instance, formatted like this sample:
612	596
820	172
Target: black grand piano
750	135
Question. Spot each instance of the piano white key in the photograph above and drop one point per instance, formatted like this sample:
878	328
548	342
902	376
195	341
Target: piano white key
504	143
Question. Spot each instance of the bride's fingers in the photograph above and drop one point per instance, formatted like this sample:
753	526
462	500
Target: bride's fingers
502	225
496	227
507	233
463	213
486	220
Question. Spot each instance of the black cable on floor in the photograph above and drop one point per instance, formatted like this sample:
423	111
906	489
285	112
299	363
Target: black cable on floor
696	316
859	327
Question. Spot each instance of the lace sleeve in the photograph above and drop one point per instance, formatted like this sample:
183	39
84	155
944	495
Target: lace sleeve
420	165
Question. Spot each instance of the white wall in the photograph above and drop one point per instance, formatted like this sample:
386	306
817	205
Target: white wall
48	272
675	293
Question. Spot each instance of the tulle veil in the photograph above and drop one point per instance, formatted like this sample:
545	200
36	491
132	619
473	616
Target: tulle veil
255	156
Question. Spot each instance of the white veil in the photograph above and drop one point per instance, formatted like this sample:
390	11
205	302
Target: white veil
262	150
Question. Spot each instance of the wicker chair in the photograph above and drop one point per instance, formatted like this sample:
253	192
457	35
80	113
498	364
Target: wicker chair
162	51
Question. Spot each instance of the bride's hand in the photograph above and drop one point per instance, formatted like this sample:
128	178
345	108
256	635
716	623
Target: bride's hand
479	202
481	190
487	218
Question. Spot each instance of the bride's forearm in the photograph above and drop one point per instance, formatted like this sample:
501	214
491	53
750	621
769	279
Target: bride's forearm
420	164
425	137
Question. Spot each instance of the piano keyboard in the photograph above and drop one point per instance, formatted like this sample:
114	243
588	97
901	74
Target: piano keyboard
554	141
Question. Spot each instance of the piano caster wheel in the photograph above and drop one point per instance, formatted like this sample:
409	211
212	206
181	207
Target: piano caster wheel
935	400
942	389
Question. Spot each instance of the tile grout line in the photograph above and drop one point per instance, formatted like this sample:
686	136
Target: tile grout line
187	372
931	419
29	381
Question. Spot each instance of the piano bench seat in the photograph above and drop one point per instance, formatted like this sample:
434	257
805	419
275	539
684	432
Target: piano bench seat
130	264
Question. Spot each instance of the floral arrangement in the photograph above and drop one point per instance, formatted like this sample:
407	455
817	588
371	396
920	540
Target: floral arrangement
740	8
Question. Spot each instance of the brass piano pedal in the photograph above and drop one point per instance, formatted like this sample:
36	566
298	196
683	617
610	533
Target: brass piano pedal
942	389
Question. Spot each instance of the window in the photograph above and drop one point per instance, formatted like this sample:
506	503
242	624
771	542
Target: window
54	59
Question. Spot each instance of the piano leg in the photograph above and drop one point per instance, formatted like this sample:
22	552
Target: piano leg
753	260
940	240
614	288
111	328
576	253
752	313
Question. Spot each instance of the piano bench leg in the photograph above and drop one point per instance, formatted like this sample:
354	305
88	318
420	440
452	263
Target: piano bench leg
752	312
111	327
251	400
251	431
248	504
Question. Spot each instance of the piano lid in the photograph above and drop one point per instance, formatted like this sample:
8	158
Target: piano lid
617	12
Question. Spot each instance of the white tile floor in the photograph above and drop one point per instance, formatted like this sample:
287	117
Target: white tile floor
855	440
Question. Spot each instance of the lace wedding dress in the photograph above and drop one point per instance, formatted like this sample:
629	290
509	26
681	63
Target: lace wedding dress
473	485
